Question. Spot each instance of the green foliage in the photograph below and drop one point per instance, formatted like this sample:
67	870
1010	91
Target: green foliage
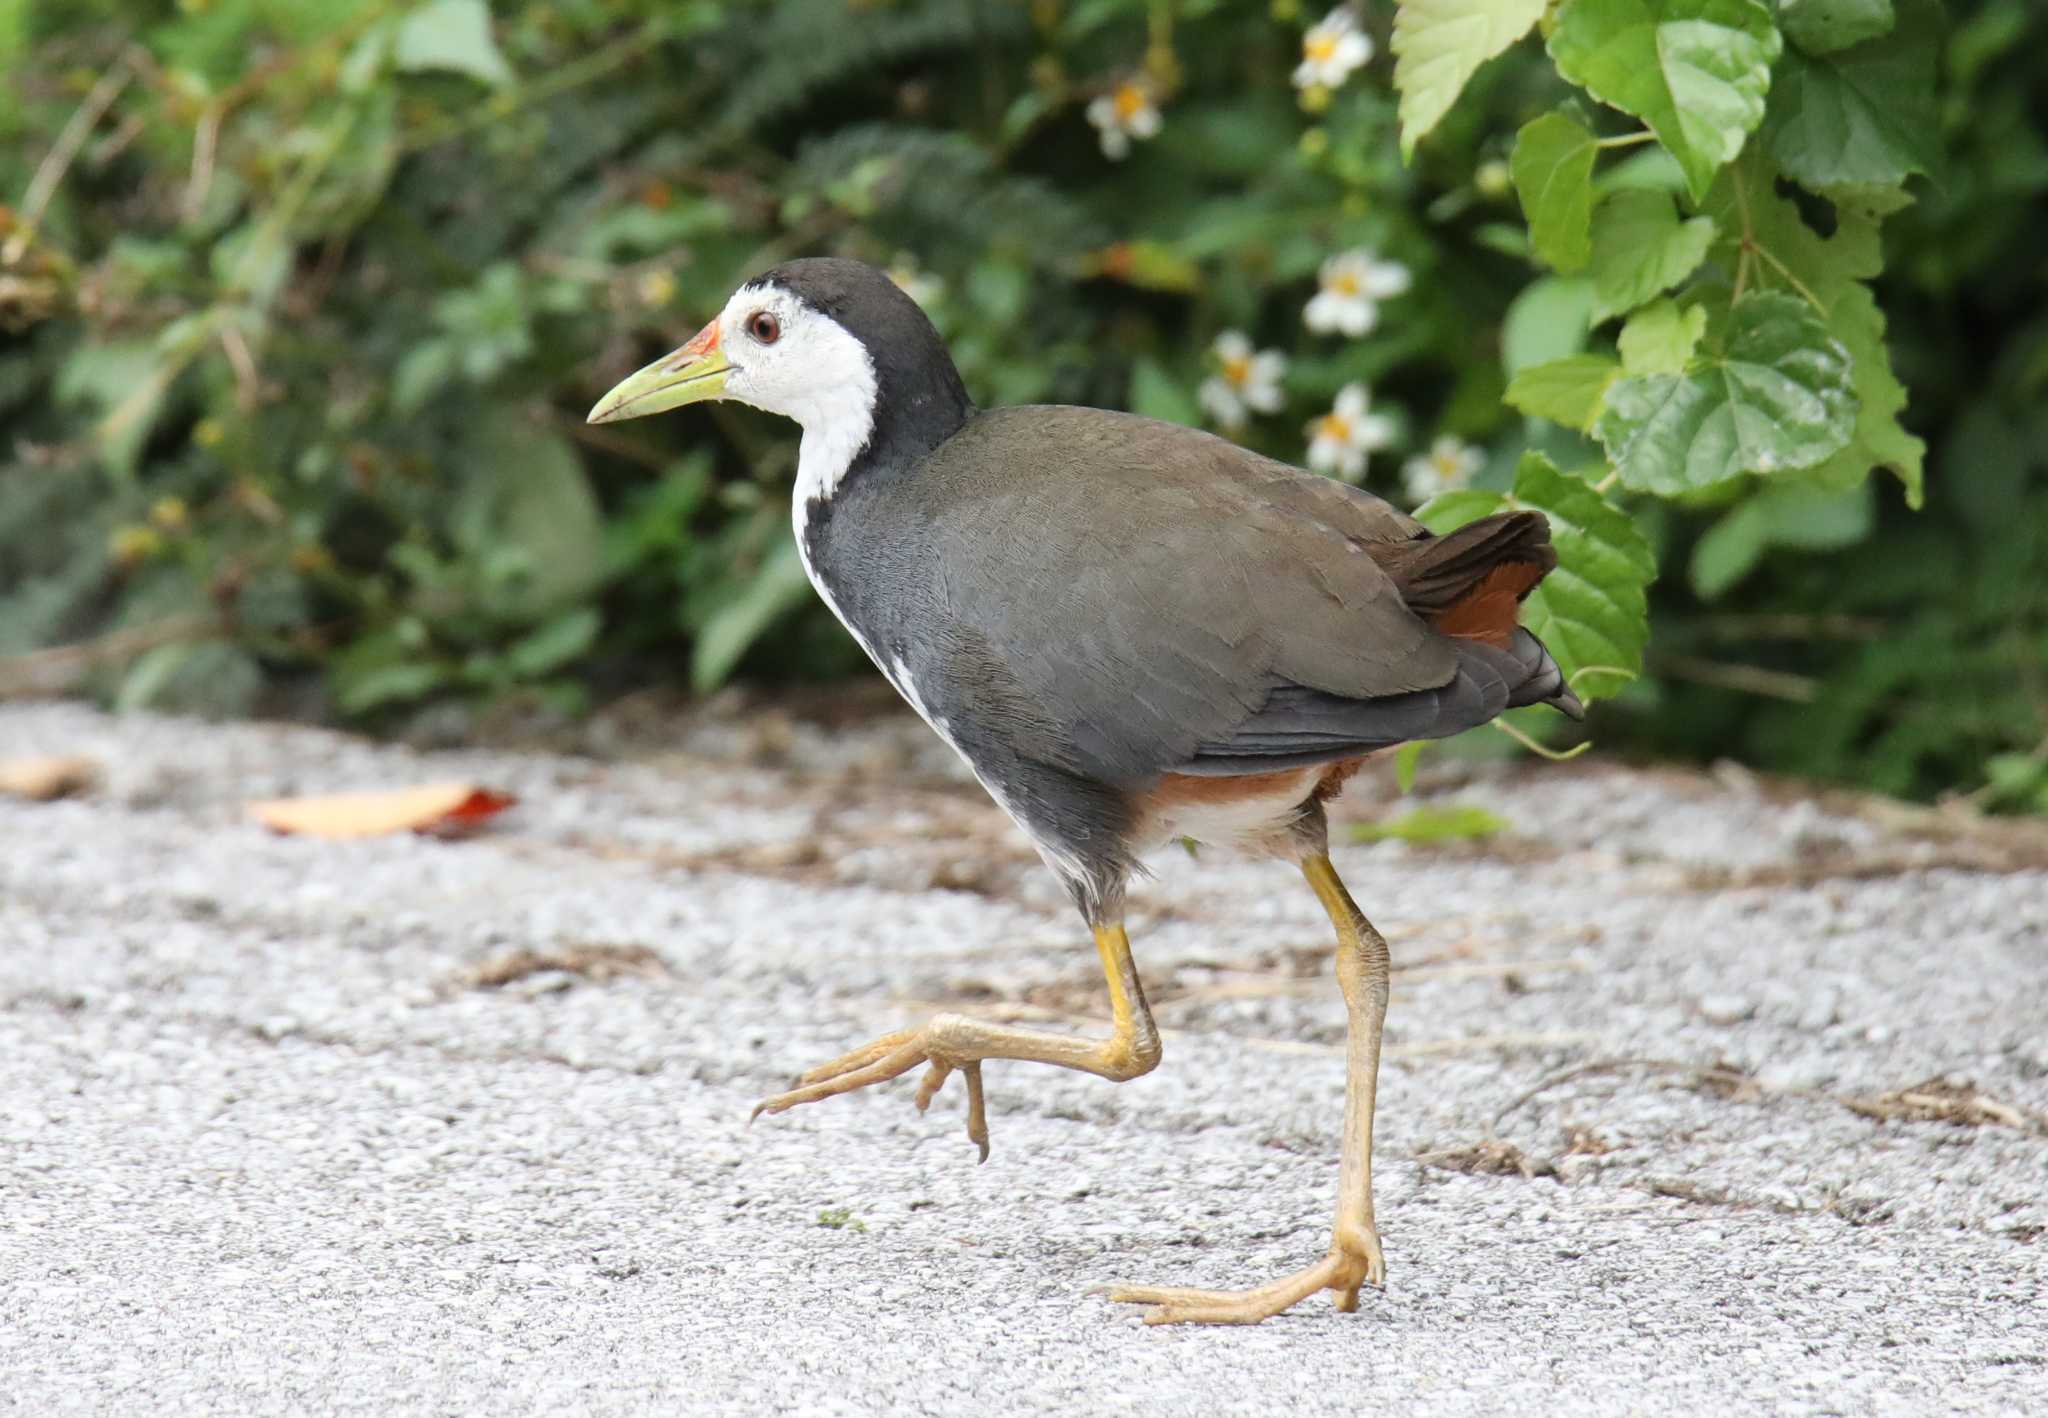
1695	70
1553	172
1440	44
1458	822
1775	396
304	315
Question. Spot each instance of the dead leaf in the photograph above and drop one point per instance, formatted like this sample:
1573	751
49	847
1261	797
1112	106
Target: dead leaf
593	960
45	777
1493	1157
1939	1101
444	809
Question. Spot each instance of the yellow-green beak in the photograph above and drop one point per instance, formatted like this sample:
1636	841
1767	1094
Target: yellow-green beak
695	372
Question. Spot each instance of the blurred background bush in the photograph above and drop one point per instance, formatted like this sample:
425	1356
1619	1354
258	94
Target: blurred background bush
303	305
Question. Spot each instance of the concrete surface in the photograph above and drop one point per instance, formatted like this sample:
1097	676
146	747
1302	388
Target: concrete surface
270	1144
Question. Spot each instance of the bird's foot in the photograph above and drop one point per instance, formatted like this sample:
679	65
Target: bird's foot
1342	1271
889	1057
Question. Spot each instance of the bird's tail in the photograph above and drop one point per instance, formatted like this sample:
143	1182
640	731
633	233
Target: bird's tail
1469	584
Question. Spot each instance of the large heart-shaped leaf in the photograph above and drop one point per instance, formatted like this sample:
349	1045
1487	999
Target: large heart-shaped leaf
1865	115
1438	44
1696	71
1778	396
1759	228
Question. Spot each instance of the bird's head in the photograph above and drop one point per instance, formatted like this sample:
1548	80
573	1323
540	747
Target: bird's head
826	342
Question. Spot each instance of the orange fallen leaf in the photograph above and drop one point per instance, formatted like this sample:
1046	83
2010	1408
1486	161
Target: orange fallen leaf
44	777
444	809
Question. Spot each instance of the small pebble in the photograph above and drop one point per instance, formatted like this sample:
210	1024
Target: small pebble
1725	1009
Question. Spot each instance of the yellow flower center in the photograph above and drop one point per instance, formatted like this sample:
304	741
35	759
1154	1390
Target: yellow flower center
1446	465
1319	48
1238	370
1345	283
1130	102
1335	426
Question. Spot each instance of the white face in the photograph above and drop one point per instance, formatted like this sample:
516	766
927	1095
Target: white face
791	360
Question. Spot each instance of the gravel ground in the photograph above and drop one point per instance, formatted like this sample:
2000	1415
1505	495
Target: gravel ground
420	1126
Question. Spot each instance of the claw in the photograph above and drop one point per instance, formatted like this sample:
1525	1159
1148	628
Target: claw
887	1057
977	1116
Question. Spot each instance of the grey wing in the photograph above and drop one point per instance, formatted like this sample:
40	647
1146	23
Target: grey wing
1154	600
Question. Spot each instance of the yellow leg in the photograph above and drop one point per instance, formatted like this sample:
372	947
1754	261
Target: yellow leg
1354	1257
955	1041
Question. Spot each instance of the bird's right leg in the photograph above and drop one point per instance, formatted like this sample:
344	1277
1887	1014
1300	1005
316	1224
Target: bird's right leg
958	1041
1354	1258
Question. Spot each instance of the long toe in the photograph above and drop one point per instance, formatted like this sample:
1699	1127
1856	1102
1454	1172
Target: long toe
1181	1305
859	1058
893	1065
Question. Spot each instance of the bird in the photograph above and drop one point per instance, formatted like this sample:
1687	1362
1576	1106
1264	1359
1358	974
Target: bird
1135	633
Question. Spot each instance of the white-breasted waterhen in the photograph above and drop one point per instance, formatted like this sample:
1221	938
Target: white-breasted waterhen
1133	632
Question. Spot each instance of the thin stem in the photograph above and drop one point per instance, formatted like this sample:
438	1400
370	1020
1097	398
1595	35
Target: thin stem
591	67
43	186
1625	140
1792	280
1541	750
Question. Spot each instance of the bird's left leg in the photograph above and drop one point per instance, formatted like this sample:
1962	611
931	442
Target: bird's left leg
1354	1257
957	1041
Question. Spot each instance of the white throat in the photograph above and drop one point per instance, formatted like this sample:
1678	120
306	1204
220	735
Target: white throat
837	423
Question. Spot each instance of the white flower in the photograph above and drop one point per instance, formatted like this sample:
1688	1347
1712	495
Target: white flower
1447	466
922	288
1246	381
1340	440
1124	113
1353	285
1331	50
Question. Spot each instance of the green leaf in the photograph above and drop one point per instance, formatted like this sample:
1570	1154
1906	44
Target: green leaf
127	381
1866	115
1641	248
1569	391
555	643
1547	321
212	679
454	35
778	585
1552	168
1778	397
1592	612
525	514
1789	515
1660	338
1439	44
1407	758
1157	394
1822	26
1879	439
1696	71
1762	234
1455	822
421	374
360	692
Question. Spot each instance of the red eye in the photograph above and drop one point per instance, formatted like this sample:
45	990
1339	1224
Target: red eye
764	327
